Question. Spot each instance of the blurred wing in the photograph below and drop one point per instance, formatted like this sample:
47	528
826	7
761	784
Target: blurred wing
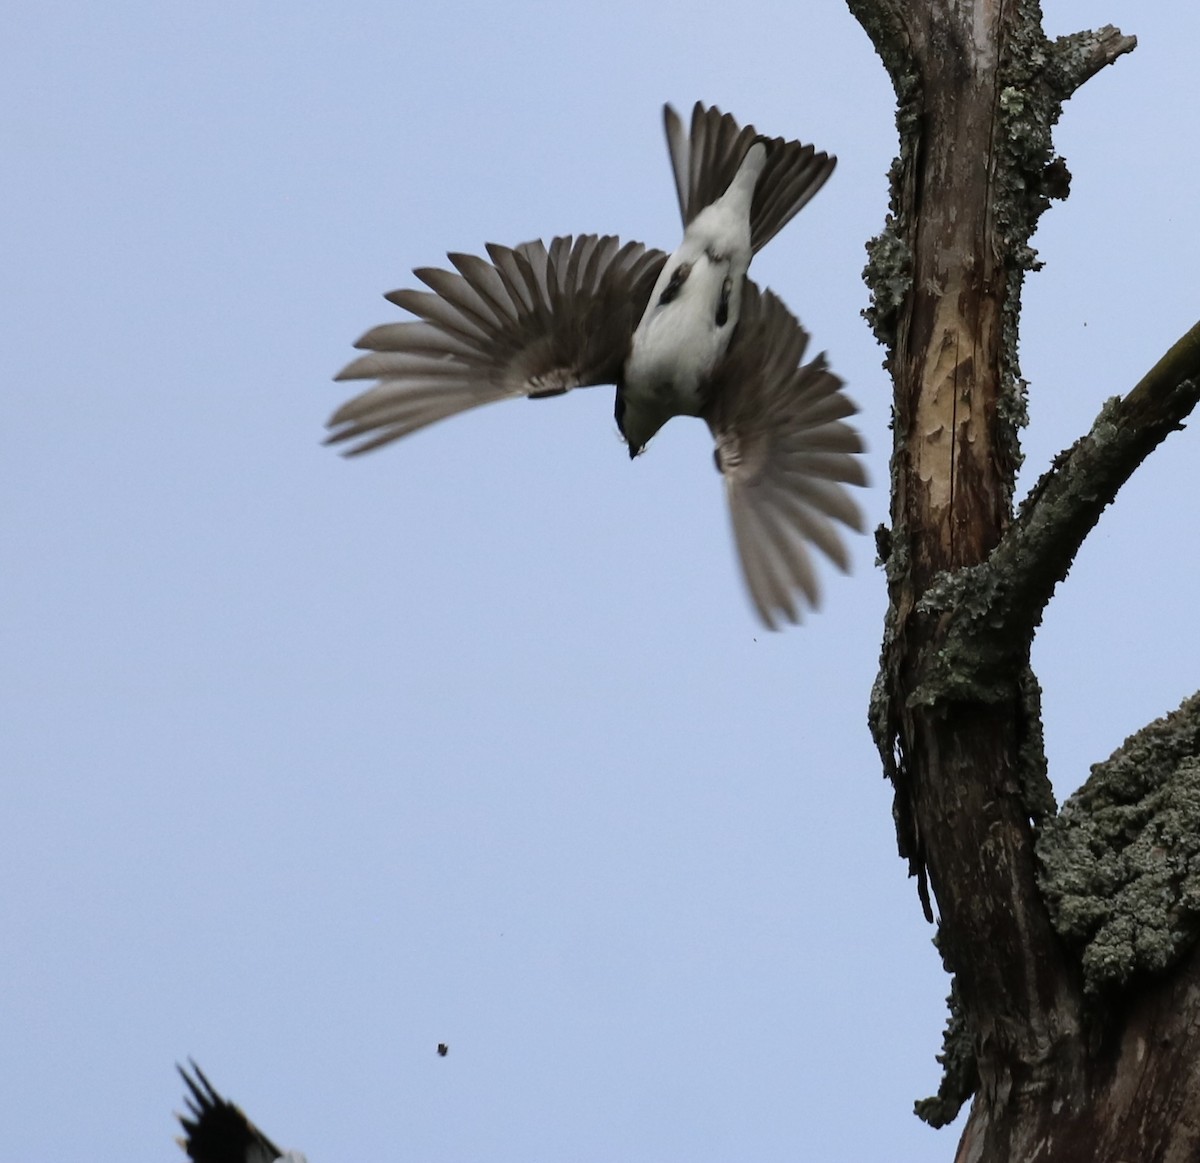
218	1132
532	322
786	455
705	162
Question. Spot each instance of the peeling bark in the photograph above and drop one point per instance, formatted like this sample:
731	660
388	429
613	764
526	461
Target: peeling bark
1076	1006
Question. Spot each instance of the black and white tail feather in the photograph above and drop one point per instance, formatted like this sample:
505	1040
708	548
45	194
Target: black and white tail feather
539	320
216	1131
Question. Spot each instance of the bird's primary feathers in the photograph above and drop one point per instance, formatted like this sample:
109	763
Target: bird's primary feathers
685	334
216	1131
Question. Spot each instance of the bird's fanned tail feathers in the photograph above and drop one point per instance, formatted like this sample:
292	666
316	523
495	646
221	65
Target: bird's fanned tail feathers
705	160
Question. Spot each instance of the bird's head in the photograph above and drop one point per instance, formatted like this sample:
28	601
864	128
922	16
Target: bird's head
638	421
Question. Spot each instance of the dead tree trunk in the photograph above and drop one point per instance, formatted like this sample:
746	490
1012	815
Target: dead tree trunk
1076	1005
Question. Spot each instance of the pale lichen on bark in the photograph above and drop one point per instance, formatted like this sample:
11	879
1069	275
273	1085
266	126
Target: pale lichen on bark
888	273
1081	55
1120	864
960	1072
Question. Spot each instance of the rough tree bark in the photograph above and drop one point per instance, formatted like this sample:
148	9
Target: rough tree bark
1075	1011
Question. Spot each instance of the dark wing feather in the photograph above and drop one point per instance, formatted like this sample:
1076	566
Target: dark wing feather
217	1131
705	161
786	454
533	321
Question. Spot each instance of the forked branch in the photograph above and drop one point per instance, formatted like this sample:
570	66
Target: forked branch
1011	589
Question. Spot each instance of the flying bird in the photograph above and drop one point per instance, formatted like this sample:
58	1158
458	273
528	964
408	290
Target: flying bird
216	1131
685	334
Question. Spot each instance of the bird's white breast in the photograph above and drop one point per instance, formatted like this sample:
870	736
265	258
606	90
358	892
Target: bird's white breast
677	344
692	312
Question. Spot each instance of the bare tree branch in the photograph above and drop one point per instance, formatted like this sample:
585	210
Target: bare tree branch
995	607
1066	503
1082	55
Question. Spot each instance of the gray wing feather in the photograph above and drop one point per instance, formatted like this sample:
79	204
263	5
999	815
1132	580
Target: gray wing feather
532	321
705	161
787	455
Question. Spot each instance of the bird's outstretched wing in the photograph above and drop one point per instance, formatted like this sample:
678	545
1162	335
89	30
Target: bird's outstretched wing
705	161
535	321
786	454
218	1132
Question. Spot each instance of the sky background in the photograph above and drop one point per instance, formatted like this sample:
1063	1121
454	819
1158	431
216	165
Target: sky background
311	764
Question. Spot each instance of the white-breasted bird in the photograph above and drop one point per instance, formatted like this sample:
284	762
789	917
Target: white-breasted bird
216	1131
687	334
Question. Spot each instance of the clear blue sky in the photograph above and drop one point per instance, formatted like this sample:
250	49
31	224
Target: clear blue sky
309	765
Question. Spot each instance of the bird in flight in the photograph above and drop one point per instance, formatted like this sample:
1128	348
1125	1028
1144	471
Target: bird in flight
685	334
216	1131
